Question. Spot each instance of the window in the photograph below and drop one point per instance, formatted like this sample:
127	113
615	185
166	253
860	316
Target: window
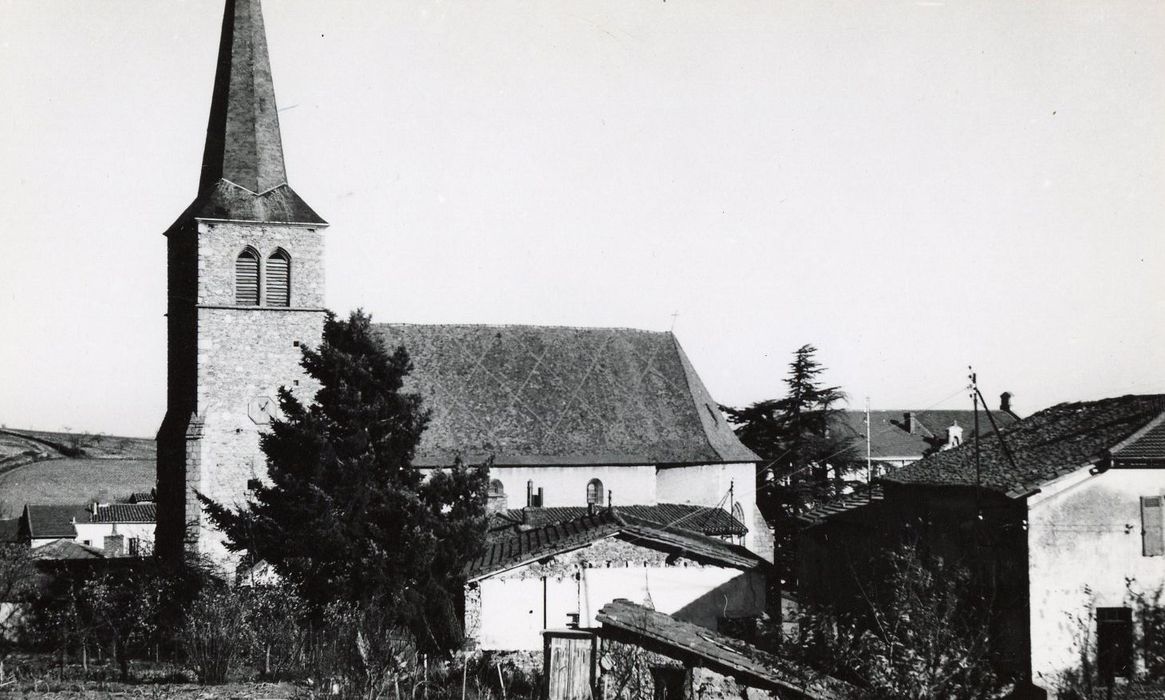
247	278
279	279
738	513
135	547
496	490
668	683
595	492
1152	539
1114	642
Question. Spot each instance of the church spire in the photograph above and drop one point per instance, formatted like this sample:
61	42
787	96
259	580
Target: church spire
243	145
243	176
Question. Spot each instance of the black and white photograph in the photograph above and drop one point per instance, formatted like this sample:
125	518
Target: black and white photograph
595	350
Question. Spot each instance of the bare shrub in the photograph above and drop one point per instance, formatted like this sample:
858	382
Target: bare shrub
215	635
279	636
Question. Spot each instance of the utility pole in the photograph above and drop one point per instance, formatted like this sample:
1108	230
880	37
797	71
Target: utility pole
974	387
869	461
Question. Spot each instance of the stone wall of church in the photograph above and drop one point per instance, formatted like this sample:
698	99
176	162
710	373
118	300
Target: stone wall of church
219	243
244	355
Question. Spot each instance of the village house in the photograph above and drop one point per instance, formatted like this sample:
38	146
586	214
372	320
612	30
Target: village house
569	417
898	438
562	572
1060	521
110	529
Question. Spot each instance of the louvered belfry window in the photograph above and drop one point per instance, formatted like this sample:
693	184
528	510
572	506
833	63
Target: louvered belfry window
247	278
279	279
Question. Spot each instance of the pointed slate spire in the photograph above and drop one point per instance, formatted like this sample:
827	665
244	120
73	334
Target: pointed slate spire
242	139
243	175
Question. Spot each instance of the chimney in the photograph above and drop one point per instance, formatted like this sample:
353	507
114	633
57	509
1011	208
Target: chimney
910	422
529	493
114	546
93	508
954	435
1005	402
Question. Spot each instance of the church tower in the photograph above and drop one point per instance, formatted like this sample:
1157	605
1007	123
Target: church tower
246	291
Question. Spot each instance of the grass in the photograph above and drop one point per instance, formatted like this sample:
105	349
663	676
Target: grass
48	468
80	480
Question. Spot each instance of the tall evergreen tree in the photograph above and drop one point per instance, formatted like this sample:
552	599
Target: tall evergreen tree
345	516
803	461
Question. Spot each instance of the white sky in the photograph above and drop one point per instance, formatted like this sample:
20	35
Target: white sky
911	186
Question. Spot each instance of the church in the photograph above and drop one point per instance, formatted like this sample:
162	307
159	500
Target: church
574	419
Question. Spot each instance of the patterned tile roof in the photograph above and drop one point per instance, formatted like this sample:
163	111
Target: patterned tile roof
561	396
1045	445
703	519
629	622
892	436
506	550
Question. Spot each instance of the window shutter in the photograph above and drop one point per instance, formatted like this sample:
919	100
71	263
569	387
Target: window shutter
1152	527
247	279
278	280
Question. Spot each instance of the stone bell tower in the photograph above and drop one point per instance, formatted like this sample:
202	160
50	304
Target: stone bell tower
245	292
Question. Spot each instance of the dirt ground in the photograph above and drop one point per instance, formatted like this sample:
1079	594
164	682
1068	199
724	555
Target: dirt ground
53	690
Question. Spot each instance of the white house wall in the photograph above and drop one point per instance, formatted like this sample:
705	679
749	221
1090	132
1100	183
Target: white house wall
509	610
709	485
95	533
1085	551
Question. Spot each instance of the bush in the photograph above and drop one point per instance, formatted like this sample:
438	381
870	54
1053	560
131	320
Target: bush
215	635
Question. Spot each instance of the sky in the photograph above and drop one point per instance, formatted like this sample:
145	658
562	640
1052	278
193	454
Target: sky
912	187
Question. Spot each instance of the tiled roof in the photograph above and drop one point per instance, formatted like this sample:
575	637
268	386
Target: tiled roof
709	521
54	522
891	435
561	396
67	549
124	513
57	521
1046	445
633	623
846	504
1146	446
507	550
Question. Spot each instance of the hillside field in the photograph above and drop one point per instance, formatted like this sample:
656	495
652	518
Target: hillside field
66	468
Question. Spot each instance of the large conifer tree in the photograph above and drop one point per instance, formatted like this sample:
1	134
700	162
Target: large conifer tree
804	462
344	516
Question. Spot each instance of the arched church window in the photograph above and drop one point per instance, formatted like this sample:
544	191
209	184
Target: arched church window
279	279
594	492
247	278
496	490
738	513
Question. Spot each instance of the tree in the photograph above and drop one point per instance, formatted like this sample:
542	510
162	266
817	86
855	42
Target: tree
17	584
923	631
345	516
803	462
